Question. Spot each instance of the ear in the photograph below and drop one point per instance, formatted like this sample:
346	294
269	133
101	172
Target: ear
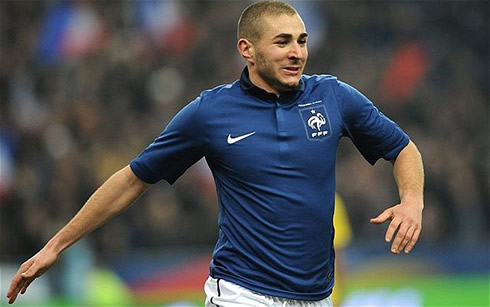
246	49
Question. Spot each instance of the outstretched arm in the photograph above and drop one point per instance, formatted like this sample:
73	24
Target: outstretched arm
405	217
113	197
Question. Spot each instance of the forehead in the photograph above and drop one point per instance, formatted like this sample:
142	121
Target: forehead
282	24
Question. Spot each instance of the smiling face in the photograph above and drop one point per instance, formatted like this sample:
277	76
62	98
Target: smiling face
277	58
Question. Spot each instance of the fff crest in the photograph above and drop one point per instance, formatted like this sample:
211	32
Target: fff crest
316	122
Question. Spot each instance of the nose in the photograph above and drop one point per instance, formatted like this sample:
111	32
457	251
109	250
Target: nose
296	51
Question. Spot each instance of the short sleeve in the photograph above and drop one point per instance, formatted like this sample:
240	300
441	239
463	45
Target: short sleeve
178	147
374	134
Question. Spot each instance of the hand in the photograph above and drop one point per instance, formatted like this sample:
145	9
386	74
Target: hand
407	218
30	270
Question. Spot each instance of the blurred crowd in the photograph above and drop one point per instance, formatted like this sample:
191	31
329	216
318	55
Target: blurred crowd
86	85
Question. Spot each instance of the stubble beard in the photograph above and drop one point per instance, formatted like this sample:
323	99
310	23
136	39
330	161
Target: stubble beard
267	74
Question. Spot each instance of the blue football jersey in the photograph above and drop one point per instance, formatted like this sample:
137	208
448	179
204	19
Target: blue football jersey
273	162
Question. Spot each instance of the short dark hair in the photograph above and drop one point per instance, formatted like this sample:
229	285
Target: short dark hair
250	23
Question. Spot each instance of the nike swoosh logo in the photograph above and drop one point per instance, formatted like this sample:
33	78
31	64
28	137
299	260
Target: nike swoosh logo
233	140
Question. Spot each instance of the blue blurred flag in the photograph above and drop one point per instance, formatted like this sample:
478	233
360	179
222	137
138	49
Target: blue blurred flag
69	31
165	25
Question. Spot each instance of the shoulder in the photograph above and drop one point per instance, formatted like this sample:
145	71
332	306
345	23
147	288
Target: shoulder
319	78
341	89
316	80
212	96
323	82
325	79
208	100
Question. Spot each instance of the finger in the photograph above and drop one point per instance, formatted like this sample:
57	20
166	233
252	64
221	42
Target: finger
18	281
12	298
414	240
401	239
391	229
383	217
15	285
408	238
15	291
29	276
26	284
31	272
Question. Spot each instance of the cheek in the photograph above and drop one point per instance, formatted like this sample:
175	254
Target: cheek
271	56
305	54
264	61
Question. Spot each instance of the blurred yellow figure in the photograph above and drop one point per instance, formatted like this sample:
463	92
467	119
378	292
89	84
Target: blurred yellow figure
343	235
107	289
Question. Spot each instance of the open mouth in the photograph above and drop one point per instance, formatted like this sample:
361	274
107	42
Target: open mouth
292	70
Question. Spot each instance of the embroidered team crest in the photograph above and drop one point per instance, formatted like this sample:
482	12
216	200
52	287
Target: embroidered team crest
316	123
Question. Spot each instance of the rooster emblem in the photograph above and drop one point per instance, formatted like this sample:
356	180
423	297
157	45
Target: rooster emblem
316	121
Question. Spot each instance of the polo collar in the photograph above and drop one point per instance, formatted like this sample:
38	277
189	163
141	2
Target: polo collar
256	91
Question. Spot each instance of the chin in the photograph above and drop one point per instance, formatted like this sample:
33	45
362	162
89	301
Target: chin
291	84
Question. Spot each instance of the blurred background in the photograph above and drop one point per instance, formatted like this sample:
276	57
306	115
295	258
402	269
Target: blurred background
86	85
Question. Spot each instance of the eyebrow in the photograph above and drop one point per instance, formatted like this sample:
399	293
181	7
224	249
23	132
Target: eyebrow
289	36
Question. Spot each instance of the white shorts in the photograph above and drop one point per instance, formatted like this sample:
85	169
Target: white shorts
223	293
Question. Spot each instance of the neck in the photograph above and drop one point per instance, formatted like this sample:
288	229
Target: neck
261	83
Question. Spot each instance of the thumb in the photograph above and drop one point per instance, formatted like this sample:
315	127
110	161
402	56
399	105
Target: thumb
30	272
383	217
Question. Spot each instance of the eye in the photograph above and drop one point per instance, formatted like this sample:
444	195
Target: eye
302	41
281	43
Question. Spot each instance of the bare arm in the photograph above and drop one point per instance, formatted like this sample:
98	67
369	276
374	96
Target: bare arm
113	197
406	217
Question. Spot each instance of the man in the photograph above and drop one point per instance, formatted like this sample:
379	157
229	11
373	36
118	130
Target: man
270	140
